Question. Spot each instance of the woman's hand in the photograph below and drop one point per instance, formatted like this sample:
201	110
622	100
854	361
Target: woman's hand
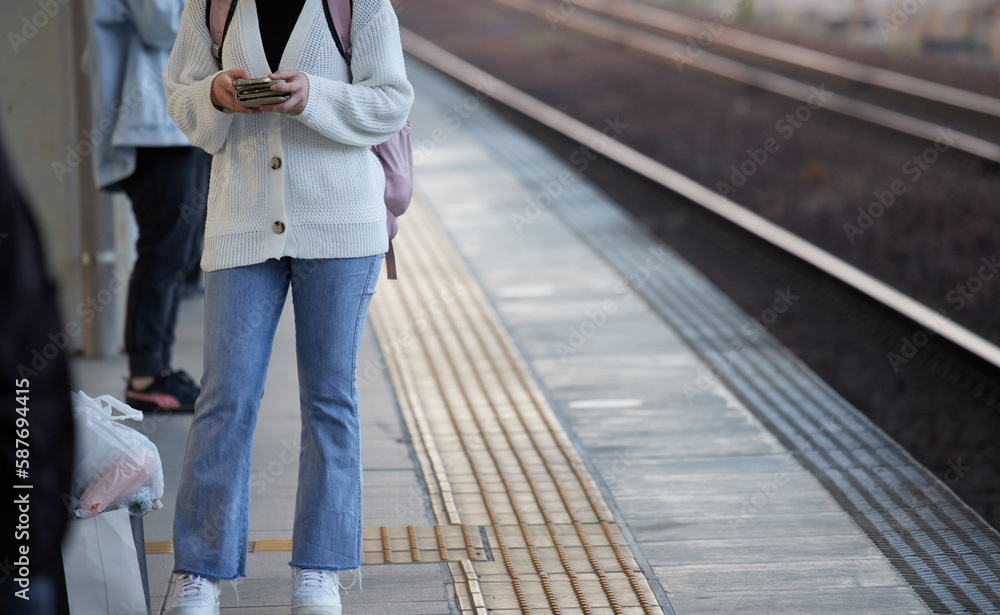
296	84
224	92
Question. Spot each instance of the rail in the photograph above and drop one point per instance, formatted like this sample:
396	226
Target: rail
798	56
556	120
665	50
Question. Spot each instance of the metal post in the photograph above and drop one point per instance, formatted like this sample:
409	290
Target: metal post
856	23
101	323
995	35
936	19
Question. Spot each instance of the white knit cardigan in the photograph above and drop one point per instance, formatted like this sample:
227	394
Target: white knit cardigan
305	186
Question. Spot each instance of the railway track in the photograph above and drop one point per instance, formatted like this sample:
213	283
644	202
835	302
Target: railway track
659	29
773	234
846	318
716	34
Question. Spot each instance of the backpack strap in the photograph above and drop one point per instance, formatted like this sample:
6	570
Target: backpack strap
390	263
338	17
218	15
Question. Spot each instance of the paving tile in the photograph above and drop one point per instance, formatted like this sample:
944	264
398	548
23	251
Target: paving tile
825	572
853	601
738	551
780	523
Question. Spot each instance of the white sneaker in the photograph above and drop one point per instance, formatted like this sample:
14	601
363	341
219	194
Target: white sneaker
194	595
316	592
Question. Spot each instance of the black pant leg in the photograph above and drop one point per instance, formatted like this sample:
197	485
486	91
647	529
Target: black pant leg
194	270
169	206
193	210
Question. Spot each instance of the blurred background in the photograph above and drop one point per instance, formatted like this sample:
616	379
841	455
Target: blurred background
960	27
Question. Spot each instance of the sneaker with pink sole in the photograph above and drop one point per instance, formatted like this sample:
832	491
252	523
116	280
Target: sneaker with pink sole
172	391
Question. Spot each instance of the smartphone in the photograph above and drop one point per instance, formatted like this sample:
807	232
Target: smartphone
255	81
257	92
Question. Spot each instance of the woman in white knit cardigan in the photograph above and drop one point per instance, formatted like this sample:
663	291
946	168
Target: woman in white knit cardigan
295	199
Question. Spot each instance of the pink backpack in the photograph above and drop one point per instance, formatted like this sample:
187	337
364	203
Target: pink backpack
396	154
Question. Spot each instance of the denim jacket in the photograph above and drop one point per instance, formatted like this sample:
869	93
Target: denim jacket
131	41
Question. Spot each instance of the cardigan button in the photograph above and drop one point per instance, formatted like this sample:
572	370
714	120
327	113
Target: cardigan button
275	163
279	227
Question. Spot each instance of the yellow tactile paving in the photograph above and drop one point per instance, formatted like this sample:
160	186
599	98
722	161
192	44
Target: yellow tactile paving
493	451
389	545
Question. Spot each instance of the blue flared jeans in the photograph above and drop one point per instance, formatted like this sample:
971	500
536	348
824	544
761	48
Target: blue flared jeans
242	306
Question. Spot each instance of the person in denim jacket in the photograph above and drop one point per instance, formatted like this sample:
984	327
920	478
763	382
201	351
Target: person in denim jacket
139	149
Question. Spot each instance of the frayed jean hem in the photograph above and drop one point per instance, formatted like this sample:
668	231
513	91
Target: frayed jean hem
207	576
330	568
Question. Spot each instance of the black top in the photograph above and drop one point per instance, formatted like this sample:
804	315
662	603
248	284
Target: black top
277	19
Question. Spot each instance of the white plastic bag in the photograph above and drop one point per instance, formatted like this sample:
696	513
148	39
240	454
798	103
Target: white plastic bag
116	465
